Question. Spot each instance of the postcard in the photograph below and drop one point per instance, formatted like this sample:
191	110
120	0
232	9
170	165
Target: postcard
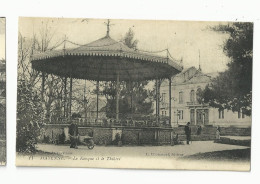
139	94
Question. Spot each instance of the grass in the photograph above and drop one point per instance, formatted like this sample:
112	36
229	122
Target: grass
243	155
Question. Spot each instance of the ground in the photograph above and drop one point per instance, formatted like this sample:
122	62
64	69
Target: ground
202	151
241	155
197	147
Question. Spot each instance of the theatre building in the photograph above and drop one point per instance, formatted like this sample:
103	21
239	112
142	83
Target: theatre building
186	106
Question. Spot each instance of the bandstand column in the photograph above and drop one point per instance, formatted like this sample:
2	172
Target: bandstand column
70	100
170	100
43	84
42	94
159	86
65	98
97	96
85	101
156	103
132	91
157	100
117	96
195	116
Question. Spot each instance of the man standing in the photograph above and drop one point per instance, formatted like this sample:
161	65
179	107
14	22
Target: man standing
187	130
74	133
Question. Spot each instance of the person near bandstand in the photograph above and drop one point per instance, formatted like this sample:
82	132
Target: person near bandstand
74	134
187	130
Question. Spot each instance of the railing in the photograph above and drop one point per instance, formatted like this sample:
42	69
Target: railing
196	104
113	123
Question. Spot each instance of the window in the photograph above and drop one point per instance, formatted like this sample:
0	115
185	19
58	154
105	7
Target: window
200	116
221	113
163	113
192	96
180	114
198	95
163	97
180	97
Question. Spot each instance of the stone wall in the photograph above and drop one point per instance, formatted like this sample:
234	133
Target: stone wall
86	131
130	136
147	136
209	132
235	131
164	136
143	136
102	136
226	140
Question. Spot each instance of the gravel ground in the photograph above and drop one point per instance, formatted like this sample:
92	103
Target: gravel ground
200	155
177	151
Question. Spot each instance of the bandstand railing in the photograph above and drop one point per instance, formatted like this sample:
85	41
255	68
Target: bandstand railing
112	123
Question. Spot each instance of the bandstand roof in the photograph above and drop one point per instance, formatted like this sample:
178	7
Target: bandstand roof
102	59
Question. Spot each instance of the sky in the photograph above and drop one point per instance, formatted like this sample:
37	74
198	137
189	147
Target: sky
184	39
2	38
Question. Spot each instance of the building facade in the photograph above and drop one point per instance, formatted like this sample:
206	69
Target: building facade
186	106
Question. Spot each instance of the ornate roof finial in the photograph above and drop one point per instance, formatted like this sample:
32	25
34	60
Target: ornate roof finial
108	27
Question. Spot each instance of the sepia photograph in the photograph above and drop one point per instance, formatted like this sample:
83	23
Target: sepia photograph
137	94
2	94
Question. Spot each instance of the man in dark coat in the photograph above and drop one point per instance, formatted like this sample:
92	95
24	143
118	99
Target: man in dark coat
187	130
74	133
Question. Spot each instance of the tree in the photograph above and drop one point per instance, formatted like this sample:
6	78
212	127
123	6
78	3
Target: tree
129	39
134	97
232	89
29	102
29	118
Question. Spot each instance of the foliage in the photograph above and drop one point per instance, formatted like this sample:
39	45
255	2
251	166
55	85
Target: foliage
29	112
46	139
129	39
31	108
75	115
134	97
61	138
232	89
41	41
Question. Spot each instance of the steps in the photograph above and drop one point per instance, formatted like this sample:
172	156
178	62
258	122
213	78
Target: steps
209	132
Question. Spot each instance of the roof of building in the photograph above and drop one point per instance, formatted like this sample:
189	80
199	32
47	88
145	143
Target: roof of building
104	58
191	75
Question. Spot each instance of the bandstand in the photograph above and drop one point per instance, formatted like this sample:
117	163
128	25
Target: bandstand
106	60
